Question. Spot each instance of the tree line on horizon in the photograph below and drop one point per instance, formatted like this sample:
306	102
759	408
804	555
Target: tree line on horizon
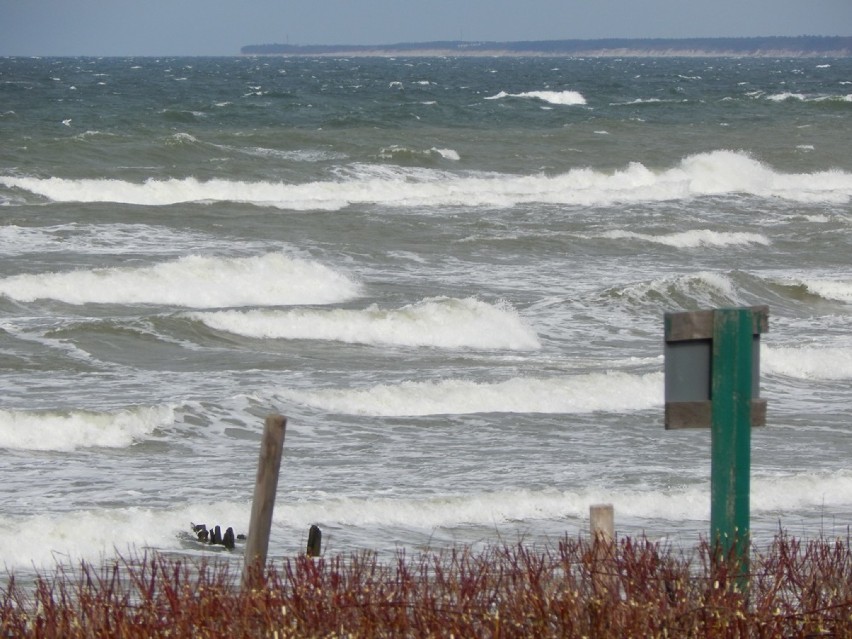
804	44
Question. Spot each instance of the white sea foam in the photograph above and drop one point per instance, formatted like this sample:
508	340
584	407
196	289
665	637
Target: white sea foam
435	322
704	174
42	541
787	95
565	98
695	238
566	394
808	362
70	430
194	281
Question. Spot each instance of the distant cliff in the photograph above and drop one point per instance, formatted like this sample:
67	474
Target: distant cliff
773	46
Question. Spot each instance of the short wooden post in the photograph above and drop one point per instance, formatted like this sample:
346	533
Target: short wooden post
266	484
602	528
602	522
314	541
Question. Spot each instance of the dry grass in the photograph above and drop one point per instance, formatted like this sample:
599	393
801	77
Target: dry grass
574	589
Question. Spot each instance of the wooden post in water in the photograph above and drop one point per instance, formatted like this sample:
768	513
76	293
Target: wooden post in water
602	528
602	522
314	541
263	502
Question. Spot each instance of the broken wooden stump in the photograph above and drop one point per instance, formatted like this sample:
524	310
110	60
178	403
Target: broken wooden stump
215	537
314	541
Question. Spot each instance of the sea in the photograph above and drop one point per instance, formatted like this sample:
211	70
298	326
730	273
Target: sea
449	273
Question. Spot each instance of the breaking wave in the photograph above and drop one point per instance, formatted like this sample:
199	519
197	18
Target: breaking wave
717	173
568	394
436	322
194	281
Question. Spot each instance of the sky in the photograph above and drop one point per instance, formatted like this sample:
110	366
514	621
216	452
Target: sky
221	27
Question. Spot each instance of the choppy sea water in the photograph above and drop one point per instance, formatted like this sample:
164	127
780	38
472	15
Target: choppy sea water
449	274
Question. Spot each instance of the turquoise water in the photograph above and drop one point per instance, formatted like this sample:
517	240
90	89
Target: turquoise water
450	275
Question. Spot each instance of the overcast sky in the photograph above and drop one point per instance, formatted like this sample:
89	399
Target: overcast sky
221	27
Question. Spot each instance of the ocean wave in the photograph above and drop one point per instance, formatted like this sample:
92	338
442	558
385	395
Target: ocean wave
807	362
435	322
565	98
648	101
112	239
567	394
786	95
93	534
716	173
769	494
397	152
840	290
835	290
702	289
293	155
789	96
43	540
72	430
694	239
194	281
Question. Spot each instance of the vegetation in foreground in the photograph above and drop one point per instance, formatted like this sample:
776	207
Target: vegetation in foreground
576	588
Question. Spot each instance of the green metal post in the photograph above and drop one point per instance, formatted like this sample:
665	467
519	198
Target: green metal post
731	437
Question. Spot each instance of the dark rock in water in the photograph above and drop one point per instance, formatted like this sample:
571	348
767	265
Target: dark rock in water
200	531
228	539
214	535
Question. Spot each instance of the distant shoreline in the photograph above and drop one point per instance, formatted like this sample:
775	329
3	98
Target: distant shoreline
764	47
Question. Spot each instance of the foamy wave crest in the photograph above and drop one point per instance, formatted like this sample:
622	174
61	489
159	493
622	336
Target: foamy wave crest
437	322
840	290
484	509
176	191
725	172
803	362
404	153
611	392
70	430
679	503
694	239
703	288
787	95
196	282
704	174
303	155
566	98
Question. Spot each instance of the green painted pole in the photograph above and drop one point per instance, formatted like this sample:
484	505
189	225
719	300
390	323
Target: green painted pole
731	392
